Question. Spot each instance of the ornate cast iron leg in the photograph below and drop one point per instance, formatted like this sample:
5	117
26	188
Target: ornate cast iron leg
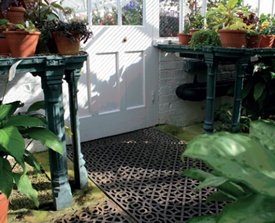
80	172
212	66
52	86
240	72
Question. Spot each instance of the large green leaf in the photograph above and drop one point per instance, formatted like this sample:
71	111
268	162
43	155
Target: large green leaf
47	138
24	185
58	6
7	110
13	142
231	4
6	177
237	157
264	130
219	196
30	159
24	121
36	106
258	90
246	89
252	209
230	189
212	181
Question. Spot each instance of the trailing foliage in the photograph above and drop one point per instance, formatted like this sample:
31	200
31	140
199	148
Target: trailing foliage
14	128
69	29
243	171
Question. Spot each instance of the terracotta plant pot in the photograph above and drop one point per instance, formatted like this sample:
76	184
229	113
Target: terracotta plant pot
267	41
16	14
273	45
4	48
22	44
184	39
254	41
64	45
4	207
233	38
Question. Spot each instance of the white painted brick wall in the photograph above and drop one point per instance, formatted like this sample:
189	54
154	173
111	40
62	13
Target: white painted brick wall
173	110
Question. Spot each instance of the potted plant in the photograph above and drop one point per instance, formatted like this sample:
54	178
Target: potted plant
241	169
14	129
253	39
13	10
185	36
4	49
266	29
224	18
68	35
205	38
196	23
22	38
39	12
253	36
193	21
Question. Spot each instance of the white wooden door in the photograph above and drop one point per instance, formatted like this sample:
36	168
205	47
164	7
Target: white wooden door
118	88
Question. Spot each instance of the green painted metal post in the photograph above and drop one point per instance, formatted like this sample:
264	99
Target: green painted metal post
240	73
80	172
212	67
52	87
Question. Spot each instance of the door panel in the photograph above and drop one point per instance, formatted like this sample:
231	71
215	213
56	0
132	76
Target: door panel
134	80
105	88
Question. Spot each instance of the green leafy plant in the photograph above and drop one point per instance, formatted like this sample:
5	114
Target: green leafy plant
3	23
186	28
39	11
259	89
205	38
242	169
69	29
26	26
14	129
223	119
266	24
224	15
197	21
3	26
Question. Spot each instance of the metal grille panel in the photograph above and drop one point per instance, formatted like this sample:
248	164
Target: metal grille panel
140	172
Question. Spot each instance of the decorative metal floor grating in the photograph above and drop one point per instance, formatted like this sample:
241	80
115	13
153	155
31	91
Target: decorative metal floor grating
139	171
